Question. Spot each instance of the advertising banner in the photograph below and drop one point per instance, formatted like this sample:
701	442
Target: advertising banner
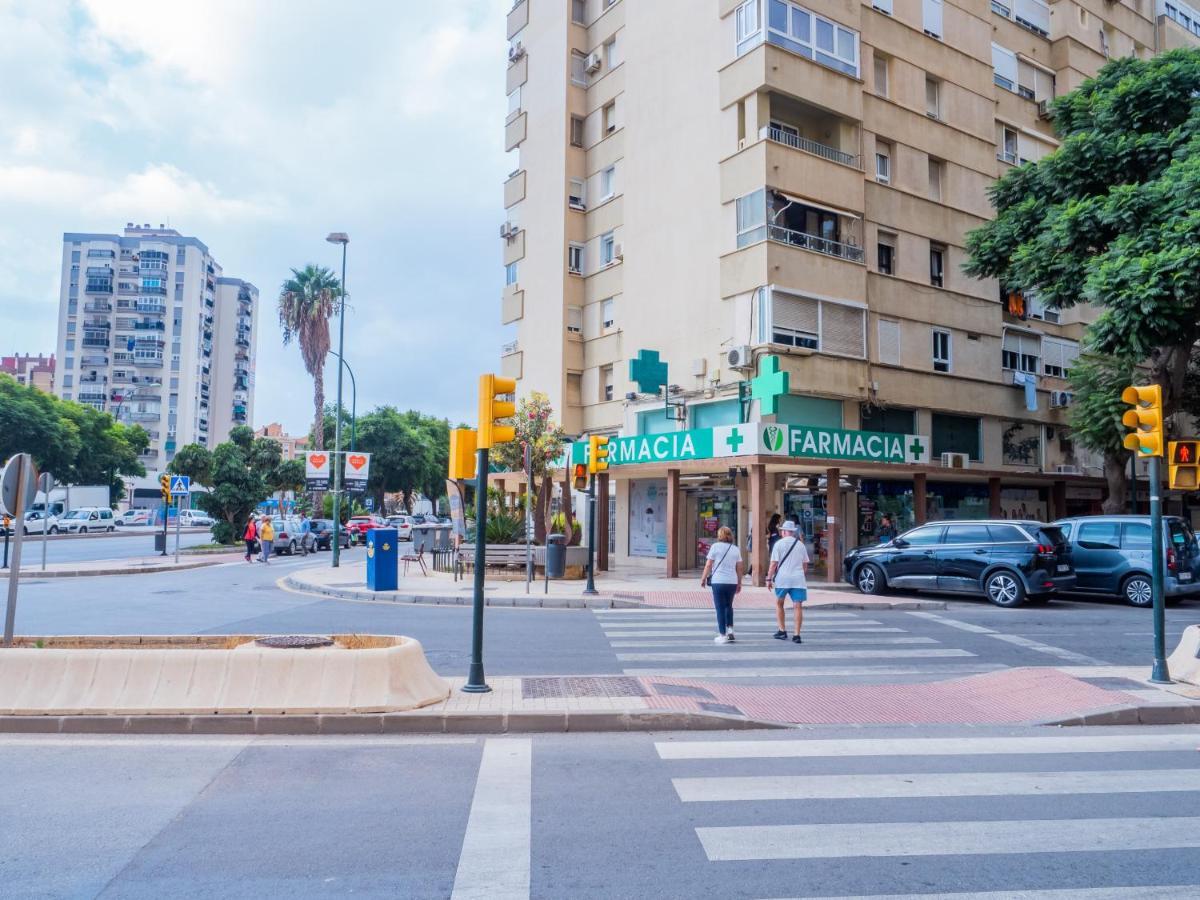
648	517
316	470
357	471
458	514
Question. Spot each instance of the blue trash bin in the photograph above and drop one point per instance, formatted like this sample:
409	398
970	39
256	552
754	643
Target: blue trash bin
383	559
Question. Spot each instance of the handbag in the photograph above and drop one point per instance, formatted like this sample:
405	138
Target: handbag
708	578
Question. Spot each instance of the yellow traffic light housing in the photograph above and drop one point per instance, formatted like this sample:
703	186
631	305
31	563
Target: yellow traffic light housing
1183	466
491	432
581	473
462	453
1146	418
597	453
164	486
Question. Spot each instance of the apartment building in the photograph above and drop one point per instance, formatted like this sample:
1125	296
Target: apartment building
151	331
291	446
706	198
37	371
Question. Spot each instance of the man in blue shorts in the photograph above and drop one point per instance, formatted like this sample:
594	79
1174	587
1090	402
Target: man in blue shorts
789	562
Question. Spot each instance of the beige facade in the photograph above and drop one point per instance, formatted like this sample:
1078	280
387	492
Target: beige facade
723	181
35	371
292	447
151	331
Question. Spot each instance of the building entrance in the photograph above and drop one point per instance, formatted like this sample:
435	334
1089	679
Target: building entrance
713	510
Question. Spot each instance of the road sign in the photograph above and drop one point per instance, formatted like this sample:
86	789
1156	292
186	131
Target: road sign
19	467
180	484
369	503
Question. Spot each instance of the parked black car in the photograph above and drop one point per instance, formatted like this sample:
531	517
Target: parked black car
1112	557
322	530
1005	561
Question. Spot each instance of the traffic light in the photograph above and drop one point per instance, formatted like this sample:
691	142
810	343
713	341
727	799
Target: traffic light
491	409
1146	418
581	473
462	453
597	453
1183	468
164	486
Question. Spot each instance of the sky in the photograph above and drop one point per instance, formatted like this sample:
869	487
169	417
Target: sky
259	126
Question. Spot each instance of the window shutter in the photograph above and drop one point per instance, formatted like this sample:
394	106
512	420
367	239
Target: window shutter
889	342
842	329
932	16
1004	63
796	313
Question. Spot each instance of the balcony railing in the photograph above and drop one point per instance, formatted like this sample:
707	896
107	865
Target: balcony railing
151	362
150	326
99	271
97	306
98	287
94	360
95	341
815	243
510	348
156	309
92	397
154	291
801	143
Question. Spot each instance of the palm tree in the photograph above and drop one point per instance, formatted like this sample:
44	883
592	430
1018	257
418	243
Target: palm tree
307	301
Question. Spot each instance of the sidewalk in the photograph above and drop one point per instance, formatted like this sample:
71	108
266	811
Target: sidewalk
145	565
625	589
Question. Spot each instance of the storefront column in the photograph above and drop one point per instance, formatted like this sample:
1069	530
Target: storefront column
835	525
919	506
602	521
1058	500
673	502
994	510
758	524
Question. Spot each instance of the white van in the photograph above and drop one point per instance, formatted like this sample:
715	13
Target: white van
87	519
190	518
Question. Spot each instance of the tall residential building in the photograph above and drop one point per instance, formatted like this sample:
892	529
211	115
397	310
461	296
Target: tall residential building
741	184
150	331
37	371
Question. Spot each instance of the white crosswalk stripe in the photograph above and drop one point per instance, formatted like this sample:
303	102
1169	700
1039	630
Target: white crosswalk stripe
827	672
814	656
765	638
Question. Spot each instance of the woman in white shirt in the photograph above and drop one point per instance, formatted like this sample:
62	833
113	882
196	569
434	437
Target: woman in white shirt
723	571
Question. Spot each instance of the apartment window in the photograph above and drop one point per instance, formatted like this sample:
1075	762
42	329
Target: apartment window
931	17
70	328
749	25
610	117
514	104
883	162
884	6
578	68
579	12
576	131
804	33
607	248
607	319
576	194
885	254
70	343
510	273
795	321
611	57
798	321
70	362
937	264
751	218
1034	83
1004	67
606	383
955	434
1008	146
1058	356
575	259
933	98
941	350
74	256
1021	351
608	182
574	320
68	380
937	170
889	342
881	75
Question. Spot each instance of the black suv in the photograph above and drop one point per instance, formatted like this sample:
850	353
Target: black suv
1006	561
322	530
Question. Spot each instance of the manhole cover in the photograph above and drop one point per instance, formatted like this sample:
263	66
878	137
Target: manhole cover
682	690
295	641
581	686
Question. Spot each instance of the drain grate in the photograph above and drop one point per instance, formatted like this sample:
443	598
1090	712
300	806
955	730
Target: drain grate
723	708
581	686
295	641
682	690
1115	684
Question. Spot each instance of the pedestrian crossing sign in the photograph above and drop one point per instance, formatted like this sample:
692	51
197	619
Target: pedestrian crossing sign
180	484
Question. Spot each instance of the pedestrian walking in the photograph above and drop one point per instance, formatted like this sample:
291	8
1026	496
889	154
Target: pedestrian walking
306	535
887	530
723	571
789	561
266	537
250	536
773	531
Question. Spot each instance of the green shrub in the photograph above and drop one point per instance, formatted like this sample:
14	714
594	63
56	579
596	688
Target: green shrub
504	529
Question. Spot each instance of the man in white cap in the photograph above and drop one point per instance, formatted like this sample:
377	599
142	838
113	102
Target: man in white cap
789	562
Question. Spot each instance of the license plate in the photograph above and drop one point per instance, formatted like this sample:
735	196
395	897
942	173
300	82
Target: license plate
1185	576
1063	567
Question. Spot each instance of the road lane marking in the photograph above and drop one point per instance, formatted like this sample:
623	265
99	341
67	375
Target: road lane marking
765	638
496	852
1150	892
1016	639
953	623
814	656
820	672
167	741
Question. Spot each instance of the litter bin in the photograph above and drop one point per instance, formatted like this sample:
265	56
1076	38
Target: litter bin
422	539
160	542
556	555
383	559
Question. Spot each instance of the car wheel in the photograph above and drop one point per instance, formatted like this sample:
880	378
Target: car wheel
83	529
54	529
292	549
869	579
1138	590
1004	589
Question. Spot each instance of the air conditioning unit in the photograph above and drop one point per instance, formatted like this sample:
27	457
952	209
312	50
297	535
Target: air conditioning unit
618	251
956	460
508	231
516	51
1060	399
1068	470
593	62
740	358
1044	110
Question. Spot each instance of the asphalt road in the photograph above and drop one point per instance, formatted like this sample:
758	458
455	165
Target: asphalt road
86	549
1101	814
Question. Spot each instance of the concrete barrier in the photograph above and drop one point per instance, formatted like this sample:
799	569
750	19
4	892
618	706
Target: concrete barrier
205	674
1184	661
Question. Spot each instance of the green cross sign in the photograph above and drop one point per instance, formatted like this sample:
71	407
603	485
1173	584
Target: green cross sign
735	440
648	371
769	386
916	448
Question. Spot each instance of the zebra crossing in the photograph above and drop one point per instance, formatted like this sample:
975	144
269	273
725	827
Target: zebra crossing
1118	808
839	645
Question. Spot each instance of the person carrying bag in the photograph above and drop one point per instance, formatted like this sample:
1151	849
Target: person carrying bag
789	560
250	536
723	570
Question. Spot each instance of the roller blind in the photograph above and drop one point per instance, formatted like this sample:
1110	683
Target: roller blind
842	330
889	341
797	313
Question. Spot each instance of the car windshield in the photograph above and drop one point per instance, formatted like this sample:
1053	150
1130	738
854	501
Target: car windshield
1051	534
78	514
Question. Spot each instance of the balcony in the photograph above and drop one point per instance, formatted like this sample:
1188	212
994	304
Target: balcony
148	362
95	341
92	397
151	308
799	223
147	416
93	379
150	326
242	340
97	306
98	287
93	360
99	272
153	291
100	254
786	135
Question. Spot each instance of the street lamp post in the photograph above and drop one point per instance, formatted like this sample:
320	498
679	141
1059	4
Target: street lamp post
339	237
353	400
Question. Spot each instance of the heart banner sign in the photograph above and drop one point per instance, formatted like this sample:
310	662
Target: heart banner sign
316	470
357	471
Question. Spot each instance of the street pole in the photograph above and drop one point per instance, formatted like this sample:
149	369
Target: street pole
166	519
338	237
1159	674
475	679
1133	484
353	400
528	516
7	529
178	517
14	576
591	566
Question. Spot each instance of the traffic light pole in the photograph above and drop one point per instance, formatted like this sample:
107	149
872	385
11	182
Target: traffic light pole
475	679
166	516
591	567
1159	674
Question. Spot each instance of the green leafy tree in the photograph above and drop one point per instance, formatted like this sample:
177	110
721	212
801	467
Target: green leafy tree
535	427
1095	416
1110	218
108	449
194	461
238	475
307	301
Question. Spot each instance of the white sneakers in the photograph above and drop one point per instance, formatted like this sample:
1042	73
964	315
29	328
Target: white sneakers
723	638
729	634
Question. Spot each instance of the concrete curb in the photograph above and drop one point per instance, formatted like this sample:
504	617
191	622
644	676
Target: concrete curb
127	570
1130	714
386	723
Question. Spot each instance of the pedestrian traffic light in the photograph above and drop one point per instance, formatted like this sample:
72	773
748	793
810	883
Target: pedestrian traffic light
1183	468
581	473
462	453
164	486
490	409
1146	418
597	453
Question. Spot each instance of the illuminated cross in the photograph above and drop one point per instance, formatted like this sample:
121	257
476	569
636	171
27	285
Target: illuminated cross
769	386
648	371
916	448
735	440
